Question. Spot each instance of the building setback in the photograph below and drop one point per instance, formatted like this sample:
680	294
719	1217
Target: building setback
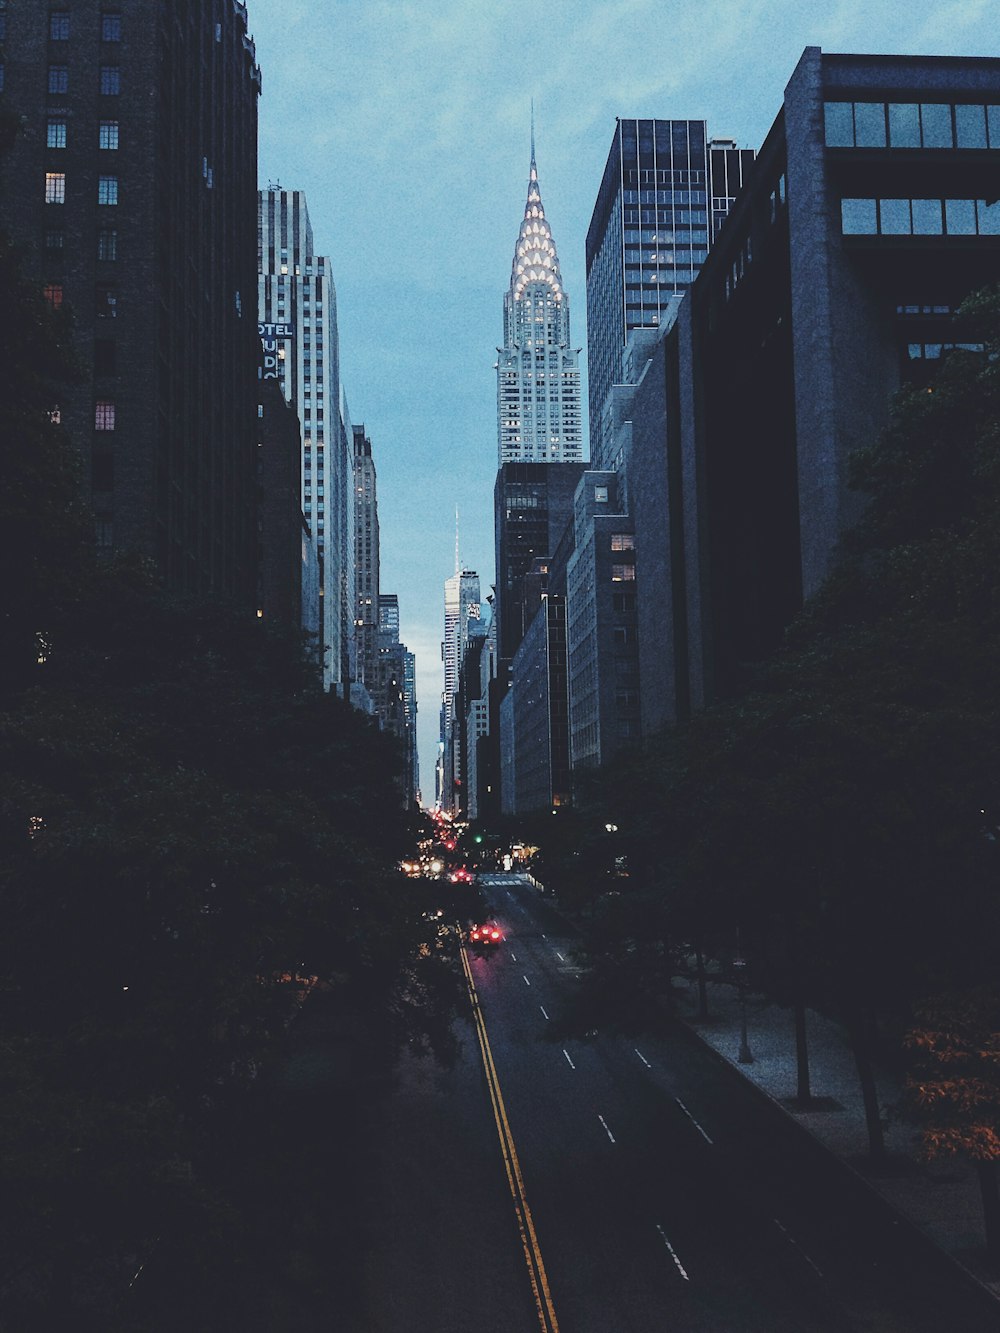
366	559
130	189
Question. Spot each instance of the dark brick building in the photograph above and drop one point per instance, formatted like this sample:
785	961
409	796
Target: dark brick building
131	189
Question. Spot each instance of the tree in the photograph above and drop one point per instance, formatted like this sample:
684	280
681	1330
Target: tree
954	1088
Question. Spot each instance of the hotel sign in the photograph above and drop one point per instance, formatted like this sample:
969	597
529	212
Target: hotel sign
270	336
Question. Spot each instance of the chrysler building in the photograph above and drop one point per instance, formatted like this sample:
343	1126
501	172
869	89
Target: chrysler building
538	376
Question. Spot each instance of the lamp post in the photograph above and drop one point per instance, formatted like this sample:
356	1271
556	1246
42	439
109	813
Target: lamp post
745	1056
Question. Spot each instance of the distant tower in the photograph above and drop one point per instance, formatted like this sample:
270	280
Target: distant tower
538	377
298	313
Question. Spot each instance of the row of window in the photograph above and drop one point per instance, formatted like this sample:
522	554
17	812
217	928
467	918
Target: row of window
59	26
911	125
920	217
933	351
109	79
55	188
56	133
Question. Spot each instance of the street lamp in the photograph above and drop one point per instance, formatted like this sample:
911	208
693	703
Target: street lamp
745	1056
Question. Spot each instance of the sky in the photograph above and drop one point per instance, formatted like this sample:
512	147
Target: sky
407	125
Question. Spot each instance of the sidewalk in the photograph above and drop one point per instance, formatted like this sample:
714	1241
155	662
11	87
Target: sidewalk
941	1199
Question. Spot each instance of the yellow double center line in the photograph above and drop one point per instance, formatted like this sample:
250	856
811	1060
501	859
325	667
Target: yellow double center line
525	1225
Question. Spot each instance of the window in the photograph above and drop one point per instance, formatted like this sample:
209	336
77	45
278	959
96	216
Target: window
904	125
104	415
59	25
601	495
106	304
55	134
58	78
53	294
55	239
55	187
107	189
111	80
623	573
894	217
970	126
622	541
623	601
858	217
111	27
107	243
108	134
960	217
926	217
869	124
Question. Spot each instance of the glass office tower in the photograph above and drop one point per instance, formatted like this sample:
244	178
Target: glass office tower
665	192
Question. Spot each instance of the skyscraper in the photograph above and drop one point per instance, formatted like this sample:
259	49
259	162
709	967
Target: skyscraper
538	379
366	558
130	186
665	192
298	313
461	604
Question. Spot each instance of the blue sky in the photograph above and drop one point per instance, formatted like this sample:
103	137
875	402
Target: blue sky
406	123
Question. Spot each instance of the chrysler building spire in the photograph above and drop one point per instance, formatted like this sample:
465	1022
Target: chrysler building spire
538	379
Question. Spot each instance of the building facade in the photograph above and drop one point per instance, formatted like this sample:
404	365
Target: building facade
870	215
297	304
130	189
461	607
538	376
366	559
666	190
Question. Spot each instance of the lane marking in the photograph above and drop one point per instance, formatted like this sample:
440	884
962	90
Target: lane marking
559	956
692	1119
605	1124
526	981
544	936
795	1244
568	1060
673	1253
642	1057
544	1014
513	955
525	1223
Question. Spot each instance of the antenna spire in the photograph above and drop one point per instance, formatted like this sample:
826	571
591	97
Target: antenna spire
458	567
532	131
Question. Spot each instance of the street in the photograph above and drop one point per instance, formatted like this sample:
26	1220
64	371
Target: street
612	1185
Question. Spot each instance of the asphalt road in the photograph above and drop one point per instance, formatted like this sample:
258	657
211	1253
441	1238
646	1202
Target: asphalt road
618	1185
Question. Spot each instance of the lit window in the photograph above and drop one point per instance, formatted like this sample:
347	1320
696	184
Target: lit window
111	80
108	134
59	25
55	187
622	541
111	27
601	494
55	136
58	78
53	294
104	415
623	573
107	189
106	301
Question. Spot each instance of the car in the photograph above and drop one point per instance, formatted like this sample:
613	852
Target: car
488	934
